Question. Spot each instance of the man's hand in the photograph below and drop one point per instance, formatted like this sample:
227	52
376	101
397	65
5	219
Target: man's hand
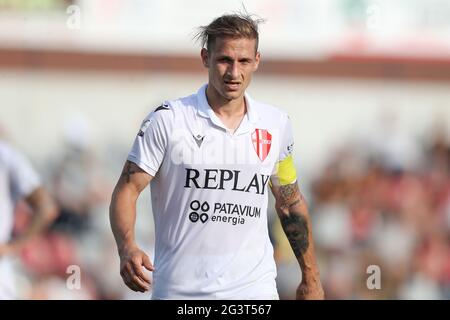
132	262
310	292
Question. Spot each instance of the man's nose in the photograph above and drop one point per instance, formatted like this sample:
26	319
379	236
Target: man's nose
233	70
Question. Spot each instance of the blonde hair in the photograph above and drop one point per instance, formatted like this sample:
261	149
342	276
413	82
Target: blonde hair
237	25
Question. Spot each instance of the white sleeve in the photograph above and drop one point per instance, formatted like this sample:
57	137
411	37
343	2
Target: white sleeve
287	139
284	172
150	143
24	179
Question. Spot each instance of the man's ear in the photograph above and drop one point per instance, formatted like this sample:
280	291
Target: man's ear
205	58
257	59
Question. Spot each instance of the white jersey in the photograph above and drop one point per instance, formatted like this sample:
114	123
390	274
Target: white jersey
17	180
209	197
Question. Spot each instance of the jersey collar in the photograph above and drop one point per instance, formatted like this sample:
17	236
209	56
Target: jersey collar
205	110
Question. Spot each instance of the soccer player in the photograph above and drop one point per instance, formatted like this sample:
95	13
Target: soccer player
211	158
19	181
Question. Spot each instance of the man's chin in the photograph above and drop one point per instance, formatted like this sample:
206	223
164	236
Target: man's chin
232	95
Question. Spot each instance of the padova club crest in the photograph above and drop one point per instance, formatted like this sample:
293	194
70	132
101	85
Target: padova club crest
262	141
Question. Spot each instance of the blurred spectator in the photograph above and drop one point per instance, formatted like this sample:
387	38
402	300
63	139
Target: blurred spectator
77	180
19	181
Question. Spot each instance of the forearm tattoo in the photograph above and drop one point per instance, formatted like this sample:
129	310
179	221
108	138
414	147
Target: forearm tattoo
290	195
127	172
295	224
296	228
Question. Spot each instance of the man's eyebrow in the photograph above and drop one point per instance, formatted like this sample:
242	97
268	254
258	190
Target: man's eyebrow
224	57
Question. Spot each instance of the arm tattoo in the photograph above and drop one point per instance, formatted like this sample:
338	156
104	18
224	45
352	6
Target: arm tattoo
296	228
290	195
127	172
294	224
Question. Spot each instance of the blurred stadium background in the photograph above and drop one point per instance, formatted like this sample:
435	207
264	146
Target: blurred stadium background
367	86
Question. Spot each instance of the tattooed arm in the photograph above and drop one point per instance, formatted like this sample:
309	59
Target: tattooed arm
294	217
122	215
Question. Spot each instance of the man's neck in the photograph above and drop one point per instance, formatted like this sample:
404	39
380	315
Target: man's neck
224	107
230	112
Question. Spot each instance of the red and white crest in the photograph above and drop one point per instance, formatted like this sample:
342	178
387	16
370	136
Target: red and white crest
262	141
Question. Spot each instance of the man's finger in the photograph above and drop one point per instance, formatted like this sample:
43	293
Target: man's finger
140	284
137	268
128	280
133	286
125	275
147	264
135	279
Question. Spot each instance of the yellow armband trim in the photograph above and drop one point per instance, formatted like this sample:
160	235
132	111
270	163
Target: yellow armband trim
285	171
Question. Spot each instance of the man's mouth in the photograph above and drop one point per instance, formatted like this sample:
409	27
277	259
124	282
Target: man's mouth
232	85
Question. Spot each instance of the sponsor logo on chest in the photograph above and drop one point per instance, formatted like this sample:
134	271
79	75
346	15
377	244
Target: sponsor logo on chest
223	179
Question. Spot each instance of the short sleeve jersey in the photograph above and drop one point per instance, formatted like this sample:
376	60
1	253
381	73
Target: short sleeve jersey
209	197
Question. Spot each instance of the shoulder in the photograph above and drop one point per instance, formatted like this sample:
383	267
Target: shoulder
270	113
168	110
184	104
164	116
